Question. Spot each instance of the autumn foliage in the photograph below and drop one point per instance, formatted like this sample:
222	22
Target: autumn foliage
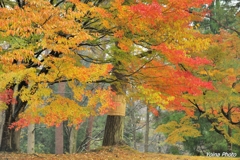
148	46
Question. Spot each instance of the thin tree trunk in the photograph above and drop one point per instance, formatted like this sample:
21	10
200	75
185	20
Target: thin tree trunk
2	120
113	134
229	144
73	140
31	139
89	132
133	121
146	132
59	129
59	139
134	131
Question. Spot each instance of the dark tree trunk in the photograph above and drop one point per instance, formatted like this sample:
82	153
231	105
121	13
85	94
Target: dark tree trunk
113	134
229	144
2	120
10	137
21	3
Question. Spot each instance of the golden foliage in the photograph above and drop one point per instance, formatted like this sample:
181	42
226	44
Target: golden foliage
177	132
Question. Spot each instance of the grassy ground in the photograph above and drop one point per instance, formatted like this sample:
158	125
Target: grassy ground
108	153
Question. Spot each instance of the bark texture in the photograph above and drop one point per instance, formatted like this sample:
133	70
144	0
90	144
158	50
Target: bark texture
10	137
31	139
2	120
113	134
89	132
59	139
73	140
59	129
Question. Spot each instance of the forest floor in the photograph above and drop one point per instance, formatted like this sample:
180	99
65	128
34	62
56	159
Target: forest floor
108	153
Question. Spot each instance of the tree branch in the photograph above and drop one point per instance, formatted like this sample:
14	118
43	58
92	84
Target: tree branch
223	26
196	105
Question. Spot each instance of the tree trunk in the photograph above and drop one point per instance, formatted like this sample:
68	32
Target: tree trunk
146	132
10	137
59	129
73	140
113	134
31	139
229	144
133	121
10	140
2	120
89	132
59	139
134	131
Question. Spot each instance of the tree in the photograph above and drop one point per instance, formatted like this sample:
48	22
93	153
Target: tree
36	68
221	107
218	108
149	45
224	53
145	62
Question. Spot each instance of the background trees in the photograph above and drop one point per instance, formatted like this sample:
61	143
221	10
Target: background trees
223	14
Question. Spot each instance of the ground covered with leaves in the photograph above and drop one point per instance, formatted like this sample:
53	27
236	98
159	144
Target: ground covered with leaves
106	153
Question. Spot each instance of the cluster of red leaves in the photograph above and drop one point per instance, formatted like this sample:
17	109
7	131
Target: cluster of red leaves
172	82
150	11
153	110
179	56
21	123
7	97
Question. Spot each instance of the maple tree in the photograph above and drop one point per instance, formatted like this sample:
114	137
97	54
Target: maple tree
41	56
147	45
221	107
